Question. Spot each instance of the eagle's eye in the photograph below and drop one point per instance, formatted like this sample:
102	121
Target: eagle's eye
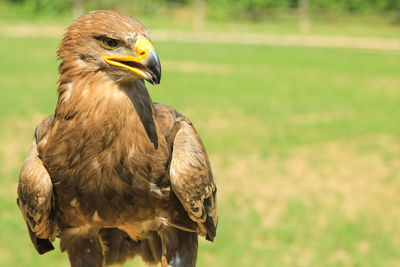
108	42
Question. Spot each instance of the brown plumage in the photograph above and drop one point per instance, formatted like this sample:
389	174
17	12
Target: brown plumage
111	173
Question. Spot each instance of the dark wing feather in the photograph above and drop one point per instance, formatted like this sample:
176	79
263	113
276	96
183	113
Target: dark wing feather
190	172
120	247
35	195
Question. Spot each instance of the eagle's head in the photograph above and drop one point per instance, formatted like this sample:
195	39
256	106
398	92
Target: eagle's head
110	42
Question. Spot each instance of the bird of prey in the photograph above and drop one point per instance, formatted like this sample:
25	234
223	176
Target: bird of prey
111	173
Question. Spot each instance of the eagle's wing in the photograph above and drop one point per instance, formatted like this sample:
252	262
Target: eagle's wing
190	172
35	195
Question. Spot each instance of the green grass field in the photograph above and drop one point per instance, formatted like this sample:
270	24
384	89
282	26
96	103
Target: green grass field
180	17
304	144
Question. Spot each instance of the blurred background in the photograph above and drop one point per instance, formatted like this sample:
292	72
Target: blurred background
297	102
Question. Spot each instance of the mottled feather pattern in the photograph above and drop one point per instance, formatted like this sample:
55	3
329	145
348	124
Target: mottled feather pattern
111	173
35	195
190	172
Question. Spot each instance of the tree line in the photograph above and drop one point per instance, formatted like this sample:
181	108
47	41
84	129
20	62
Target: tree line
231	6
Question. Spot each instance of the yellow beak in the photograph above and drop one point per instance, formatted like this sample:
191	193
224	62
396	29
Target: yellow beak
145	64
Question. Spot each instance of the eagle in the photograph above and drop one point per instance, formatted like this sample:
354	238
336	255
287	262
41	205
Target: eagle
112	174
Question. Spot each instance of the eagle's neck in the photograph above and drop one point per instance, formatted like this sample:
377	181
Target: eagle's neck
141	101
101	104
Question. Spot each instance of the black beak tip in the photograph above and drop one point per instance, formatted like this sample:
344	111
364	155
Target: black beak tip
155	68
155	79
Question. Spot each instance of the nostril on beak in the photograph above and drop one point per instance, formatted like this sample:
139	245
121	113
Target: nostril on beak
143	47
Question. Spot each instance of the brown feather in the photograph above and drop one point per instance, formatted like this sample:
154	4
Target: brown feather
35	195
101	169
190	173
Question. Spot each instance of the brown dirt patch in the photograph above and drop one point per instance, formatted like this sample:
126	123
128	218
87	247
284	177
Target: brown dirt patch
335	174
24	30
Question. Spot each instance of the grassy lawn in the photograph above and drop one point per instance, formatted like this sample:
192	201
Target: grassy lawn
273	22
356	25
304	144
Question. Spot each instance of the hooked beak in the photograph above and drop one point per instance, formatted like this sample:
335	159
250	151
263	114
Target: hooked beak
145	64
